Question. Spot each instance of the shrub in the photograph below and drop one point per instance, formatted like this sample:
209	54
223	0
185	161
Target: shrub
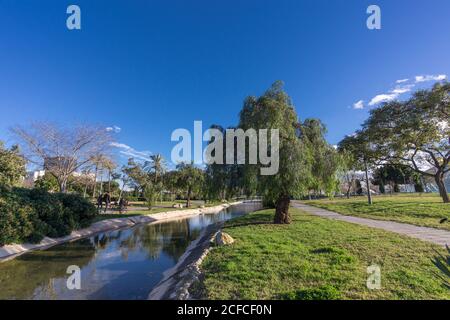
16	222
30	214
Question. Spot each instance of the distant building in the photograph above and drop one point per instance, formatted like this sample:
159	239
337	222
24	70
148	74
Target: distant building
55	162
90	176
430	184
32	176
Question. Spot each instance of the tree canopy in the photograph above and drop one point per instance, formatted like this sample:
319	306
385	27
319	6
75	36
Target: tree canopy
414	133
274	110
12	166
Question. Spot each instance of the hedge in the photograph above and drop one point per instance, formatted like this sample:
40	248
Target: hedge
28	215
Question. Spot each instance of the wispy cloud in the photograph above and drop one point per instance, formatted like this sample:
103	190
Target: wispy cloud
402	89
129	152
392	94
115	129
402	86
359	105
427	78
382	98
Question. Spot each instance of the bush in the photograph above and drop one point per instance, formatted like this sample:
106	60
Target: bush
28	215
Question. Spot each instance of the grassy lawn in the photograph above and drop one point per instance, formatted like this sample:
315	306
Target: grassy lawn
317	258
426	210
133	213
145	211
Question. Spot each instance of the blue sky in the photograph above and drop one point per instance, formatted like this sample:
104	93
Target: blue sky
149	67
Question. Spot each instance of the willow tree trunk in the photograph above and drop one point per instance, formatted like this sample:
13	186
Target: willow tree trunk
439	178
282	215
369	196
188	202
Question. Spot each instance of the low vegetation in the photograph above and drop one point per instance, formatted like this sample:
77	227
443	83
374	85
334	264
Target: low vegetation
315	258
421	210
28	215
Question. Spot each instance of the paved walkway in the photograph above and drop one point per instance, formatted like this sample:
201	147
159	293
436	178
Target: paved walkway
437	236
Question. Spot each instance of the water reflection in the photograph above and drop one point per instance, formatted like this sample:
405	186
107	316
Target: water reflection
123	264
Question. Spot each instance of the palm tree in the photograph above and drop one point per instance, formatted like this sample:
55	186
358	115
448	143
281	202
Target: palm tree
157	165
110	166
157	168
101	162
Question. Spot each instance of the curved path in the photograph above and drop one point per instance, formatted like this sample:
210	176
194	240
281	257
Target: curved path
436	236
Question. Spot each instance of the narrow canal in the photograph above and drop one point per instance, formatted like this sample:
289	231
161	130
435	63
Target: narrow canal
122	264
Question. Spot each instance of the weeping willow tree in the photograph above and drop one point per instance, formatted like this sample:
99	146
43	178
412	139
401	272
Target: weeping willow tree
274	110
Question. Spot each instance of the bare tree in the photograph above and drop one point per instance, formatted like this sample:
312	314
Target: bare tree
348	179
62	150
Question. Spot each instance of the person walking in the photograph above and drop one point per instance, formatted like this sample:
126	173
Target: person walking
100	202
107	200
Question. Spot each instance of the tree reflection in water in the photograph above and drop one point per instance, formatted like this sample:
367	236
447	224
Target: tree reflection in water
122	264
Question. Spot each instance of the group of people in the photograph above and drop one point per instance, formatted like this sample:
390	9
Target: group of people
105	198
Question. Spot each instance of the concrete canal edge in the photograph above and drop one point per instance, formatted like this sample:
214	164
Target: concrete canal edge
12	251
177	281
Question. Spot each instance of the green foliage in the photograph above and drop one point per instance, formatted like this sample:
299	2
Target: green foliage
27	215
190	179
223	181
326	160
413	133
12	166
326	292
48	182
442	262
274	110
151	195
398	174
303	259
421	210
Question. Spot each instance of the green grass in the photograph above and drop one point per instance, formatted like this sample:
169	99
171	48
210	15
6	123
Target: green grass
425	210
133	213
317	258
145	211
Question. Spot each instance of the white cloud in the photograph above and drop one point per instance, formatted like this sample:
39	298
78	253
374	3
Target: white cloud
426	78
399	89
359	105
114	129
402	89
129	152
383	98
391	95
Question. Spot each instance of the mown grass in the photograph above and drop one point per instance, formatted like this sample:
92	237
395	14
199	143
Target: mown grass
133	213
317	258
146	211
425	210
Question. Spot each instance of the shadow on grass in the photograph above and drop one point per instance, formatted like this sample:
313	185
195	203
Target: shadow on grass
443	264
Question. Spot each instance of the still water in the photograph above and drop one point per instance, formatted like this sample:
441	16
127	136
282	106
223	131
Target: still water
122	264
